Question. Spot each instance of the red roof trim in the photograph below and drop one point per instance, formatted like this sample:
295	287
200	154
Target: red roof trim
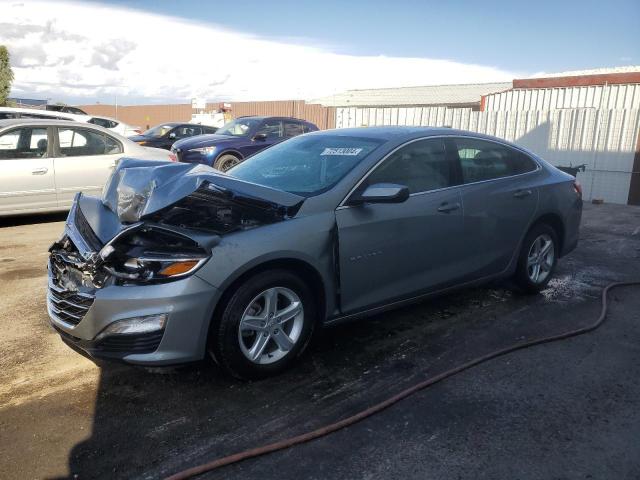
578	81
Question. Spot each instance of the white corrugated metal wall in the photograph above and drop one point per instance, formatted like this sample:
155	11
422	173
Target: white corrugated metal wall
606	97
604	140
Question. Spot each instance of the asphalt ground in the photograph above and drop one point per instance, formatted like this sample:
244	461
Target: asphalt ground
559	411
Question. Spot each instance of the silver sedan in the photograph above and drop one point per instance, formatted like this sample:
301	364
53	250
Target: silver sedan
178	260
43	163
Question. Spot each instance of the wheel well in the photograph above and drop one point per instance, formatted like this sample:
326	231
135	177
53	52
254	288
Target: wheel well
555	222
309	274
235	153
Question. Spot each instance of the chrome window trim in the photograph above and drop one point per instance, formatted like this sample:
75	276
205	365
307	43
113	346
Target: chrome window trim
342	204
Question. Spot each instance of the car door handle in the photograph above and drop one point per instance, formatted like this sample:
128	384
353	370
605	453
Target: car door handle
448	207
39	171
522	193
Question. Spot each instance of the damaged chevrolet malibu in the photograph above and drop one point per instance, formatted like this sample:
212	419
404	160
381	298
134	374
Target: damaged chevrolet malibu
178	261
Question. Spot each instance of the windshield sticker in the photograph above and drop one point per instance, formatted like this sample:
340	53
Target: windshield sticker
342	151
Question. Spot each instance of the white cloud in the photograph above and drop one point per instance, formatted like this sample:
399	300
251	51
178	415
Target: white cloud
88	52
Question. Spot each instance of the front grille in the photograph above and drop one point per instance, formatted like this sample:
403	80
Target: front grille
69	307
133	343
85	230
115	346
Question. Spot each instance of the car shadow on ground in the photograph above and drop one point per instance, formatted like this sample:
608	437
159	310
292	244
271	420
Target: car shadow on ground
149	424
18	220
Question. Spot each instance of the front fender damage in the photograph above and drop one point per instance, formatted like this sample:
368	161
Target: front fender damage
159	215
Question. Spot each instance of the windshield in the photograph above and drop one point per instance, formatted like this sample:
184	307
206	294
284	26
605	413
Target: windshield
158	131
240	127
305	165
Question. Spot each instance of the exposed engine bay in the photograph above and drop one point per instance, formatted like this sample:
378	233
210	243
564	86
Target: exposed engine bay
156	222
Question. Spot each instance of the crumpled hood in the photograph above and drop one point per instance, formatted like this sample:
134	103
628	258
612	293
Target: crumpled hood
139	189
204	141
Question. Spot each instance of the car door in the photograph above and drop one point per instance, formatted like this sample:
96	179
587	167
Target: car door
83	161
27	179
499	196
390	251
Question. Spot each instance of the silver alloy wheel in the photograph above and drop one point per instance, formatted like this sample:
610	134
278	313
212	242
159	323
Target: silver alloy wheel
271	325
540	258
230	162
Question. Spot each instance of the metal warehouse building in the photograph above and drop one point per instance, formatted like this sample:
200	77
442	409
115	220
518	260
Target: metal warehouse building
572	118
589	118
452	96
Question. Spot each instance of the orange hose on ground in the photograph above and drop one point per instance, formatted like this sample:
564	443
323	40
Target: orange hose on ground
345	422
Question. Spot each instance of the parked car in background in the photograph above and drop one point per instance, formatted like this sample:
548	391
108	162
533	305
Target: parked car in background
21	112
43	163
106	122
177	260
66	109
114	125
239	139
165	134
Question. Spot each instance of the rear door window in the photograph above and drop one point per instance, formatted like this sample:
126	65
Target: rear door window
292	129
271	128
104	122
422	166
79	142
482	160
27	142
187	131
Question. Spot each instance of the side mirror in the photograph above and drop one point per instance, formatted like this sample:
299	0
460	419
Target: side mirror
259	136
382	193
172	135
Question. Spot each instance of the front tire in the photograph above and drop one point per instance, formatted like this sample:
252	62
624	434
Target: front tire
266	324
538	258
225	162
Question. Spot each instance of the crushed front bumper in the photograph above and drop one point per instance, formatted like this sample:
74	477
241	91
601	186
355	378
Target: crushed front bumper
80	314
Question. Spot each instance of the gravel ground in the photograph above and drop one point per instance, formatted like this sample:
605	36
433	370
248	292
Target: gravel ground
560	411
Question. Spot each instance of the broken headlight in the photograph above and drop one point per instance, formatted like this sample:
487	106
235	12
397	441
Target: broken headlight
153	255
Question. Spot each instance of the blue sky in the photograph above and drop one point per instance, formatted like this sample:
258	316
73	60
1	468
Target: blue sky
172	51
527	36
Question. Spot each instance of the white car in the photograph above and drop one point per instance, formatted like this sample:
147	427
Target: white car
43	163
106	122
114	125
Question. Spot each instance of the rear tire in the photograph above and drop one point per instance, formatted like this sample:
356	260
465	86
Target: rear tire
226	161
266	324
537	259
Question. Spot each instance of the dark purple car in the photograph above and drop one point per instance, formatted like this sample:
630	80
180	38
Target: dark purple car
239	139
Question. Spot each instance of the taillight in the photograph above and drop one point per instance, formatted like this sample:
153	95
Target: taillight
173	157
577	187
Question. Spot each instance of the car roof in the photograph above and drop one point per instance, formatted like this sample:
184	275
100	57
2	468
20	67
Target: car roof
45	122
275	117
44	113
174	124
104	118
389	133
50	122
